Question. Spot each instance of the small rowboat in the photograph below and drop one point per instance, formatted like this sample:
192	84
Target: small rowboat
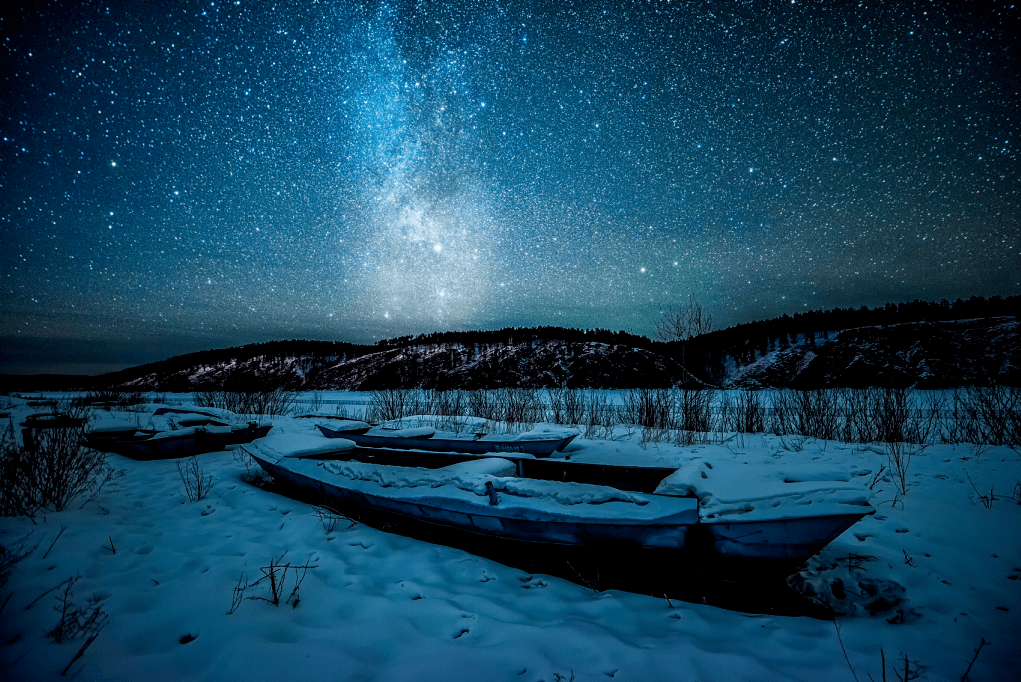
365	436
553	503
193	433
146	444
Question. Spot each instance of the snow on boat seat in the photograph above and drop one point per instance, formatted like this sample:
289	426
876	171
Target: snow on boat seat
421	432
192	431
491	466
735	491
345	424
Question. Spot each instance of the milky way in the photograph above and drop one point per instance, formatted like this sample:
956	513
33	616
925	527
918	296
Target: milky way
178	176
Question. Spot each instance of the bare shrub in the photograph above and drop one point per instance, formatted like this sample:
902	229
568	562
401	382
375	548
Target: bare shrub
927	417
270	401
781	413
451	403
556	404
648	407
52	468
11	557
76	621
695	410
899	455
749	414
422	401
891	412
391	403
275	576
989	414
817	414
196	484
574	406
483	404
18	493
599	415
520	406
952	425
252	476
857	425
330	517
239	594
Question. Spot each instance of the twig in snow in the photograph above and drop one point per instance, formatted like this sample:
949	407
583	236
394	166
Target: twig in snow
62	529
81	652
45	593
987	500
964	677
239	594
112	548
839	639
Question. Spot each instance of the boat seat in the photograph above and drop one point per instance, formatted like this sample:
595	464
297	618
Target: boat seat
492	466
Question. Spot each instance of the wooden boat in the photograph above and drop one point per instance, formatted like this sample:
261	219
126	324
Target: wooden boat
194	434
239	433
550	503
424	439
147	444
52	421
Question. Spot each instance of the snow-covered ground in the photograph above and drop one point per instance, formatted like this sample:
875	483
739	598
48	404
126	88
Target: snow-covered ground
929	577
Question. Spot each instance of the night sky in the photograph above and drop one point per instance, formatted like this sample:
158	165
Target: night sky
176	176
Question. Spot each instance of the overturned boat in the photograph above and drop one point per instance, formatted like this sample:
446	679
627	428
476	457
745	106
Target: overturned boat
558	502
424	438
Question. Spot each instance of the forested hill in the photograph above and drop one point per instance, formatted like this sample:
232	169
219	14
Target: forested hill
820	322
932	345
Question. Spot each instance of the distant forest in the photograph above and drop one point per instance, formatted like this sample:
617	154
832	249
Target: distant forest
706	356
742	342
761	333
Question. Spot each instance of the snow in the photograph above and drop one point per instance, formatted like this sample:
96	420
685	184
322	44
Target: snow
525	497
420	432
279	444
754	490
191	431
933	573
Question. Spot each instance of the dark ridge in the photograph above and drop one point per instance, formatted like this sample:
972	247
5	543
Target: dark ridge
922	344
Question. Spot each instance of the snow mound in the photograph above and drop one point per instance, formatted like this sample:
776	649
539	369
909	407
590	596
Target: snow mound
299	445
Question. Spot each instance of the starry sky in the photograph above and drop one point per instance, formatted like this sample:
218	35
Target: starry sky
176	176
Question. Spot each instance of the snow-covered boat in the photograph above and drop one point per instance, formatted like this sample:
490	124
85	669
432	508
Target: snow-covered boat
190	433
424	438
585	505
146	444
52	421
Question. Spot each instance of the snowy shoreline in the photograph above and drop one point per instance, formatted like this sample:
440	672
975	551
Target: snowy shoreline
932	574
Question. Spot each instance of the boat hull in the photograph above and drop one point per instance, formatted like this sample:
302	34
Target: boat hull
775	543
169	448
536	448
143	445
